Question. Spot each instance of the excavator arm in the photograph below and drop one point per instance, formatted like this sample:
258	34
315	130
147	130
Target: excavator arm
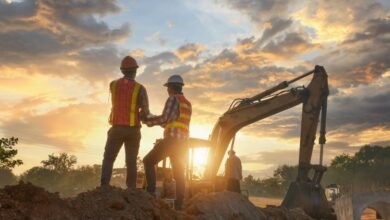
305	192
247	111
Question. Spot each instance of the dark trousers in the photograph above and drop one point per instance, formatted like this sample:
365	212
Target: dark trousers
233	185
116	137
176	150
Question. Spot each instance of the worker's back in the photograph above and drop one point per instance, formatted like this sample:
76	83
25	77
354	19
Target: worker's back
125	106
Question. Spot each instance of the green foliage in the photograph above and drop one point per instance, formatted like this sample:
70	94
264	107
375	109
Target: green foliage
68	182
61	163
366	169
7	177
286	174
43	177
7	153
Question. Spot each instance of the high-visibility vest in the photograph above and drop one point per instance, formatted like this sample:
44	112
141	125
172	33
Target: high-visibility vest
185	111
124	98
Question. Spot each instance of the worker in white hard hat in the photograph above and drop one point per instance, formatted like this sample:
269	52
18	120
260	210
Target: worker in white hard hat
233	172
175	119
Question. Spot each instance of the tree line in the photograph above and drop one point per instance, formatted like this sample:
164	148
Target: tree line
366	169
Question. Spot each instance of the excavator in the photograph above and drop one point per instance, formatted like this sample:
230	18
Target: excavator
306	191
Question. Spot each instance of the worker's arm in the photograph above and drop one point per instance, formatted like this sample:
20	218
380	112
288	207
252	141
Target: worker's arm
169	113
143	103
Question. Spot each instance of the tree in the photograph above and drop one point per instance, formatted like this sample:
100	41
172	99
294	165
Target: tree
42	177
7	153
61	163
286	174
7	177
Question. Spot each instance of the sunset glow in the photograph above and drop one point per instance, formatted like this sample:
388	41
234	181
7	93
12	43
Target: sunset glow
57	59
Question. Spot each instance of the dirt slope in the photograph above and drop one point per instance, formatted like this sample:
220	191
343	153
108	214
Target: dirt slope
26	201
228	205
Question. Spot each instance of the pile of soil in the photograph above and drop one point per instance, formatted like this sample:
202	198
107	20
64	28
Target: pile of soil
26	201
282	213
228	205
115	203
222	205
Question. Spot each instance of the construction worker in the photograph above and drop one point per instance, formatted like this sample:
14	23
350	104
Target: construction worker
175	119
233	172
130	105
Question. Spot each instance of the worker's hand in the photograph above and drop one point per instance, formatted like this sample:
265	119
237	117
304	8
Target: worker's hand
150	115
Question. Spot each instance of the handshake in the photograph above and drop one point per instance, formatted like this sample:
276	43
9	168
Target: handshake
148	119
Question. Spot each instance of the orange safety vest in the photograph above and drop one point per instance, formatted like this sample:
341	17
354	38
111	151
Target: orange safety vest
124	98
185	111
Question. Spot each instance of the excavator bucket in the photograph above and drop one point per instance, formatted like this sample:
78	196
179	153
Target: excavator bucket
310	197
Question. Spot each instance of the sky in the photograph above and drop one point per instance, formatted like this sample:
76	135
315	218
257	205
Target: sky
57	59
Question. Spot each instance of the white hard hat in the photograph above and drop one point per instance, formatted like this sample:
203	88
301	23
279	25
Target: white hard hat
176	79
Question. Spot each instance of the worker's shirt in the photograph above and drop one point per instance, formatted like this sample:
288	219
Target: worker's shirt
233	169
170	113
142	101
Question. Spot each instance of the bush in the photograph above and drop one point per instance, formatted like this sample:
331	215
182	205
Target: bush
7	177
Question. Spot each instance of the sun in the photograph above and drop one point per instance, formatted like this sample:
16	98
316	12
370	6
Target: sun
198	160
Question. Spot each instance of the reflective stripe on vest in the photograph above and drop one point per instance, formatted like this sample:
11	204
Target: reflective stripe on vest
124	96
185	111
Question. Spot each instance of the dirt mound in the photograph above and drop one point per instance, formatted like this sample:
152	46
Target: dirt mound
116	203
26	201
228	205
223	205
282	213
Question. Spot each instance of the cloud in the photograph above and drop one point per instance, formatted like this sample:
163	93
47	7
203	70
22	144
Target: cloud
260	10
291	45
334	22
361	59
375	28
64	127
156	37
46	36
189	51
16	10
277	25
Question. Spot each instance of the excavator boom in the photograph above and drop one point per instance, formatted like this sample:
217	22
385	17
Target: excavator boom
305	192
265	104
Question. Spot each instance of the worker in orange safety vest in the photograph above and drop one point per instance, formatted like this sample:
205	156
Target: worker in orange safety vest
130	105
175	119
